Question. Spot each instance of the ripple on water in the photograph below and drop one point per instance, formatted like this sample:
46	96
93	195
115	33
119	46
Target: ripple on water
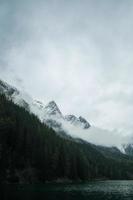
95	190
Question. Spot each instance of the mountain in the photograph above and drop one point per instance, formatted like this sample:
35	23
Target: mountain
47	112
128	149
7	89
31	152
15	95
51	109
65	125
80	122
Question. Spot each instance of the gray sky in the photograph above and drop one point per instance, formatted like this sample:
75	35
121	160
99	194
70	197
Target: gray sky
76	52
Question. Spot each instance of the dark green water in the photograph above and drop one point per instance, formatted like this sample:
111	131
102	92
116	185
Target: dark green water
98	190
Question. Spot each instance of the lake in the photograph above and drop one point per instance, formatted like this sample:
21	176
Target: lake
95	190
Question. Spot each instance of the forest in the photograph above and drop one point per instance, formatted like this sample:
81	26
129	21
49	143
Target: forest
31	152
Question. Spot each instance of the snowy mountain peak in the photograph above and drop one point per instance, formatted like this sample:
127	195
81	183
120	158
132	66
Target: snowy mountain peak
7	89
128	149
71	118
52	104
85	123
81	122
52	109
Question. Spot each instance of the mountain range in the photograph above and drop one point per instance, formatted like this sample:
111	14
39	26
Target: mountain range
38	143
76	127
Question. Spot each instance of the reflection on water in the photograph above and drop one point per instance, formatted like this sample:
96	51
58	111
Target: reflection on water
97	190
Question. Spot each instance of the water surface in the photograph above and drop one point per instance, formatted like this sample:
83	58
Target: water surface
95	190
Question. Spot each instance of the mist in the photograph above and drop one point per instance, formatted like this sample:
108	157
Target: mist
78	53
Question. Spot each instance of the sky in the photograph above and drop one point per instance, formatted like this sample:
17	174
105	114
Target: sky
75	52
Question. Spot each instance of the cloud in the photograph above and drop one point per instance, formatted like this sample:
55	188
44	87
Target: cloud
77	53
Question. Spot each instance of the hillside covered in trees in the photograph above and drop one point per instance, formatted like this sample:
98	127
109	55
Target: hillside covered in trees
31	152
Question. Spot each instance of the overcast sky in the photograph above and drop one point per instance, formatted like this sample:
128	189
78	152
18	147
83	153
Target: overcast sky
76	52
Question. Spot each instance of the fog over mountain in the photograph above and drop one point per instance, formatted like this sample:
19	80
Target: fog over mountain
67	126
77	53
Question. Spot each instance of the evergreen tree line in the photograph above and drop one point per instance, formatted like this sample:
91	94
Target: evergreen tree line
32	152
